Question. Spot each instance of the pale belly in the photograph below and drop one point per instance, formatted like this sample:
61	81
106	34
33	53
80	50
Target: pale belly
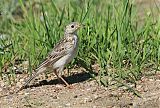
66	59
63	61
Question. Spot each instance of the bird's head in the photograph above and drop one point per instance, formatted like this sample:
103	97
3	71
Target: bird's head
72	27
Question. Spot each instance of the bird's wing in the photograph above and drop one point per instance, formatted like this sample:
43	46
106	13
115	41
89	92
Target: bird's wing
60	50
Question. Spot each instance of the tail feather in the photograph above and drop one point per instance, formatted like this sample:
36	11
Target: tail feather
31	78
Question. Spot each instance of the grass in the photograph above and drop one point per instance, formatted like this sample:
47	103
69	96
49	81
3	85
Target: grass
112	37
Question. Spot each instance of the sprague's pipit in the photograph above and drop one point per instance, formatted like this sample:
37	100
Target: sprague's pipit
62	54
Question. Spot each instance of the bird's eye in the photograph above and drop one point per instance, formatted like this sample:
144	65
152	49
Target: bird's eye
72	26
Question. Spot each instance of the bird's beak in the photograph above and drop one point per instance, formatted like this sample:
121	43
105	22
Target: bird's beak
79	25
82	25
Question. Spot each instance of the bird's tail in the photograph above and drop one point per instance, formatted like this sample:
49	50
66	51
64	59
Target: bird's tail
39	71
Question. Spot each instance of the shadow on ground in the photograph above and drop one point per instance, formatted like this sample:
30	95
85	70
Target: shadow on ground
80	77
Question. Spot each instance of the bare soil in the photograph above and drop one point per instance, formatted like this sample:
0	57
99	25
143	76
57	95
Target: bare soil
84	92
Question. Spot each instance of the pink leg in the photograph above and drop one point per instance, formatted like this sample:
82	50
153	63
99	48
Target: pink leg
61	78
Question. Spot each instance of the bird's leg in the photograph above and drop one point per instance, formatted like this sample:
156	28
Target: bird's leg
61	78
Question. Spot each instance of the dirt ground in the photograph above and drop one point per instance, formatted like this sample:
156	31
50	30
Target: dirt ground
84	91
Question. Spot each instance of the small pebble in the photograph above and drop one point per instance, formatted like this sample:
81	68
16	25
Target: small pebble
151	79
26	94
2	84
54	97
86	100
68	104
75	96
1	89
21	80
59	85
96	96
18	84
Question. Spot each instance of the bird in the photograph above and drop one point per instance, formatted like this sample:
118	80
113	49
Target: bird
62	54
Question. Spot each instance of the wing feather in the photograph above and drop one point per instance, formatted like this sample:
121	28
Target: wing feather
60	50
